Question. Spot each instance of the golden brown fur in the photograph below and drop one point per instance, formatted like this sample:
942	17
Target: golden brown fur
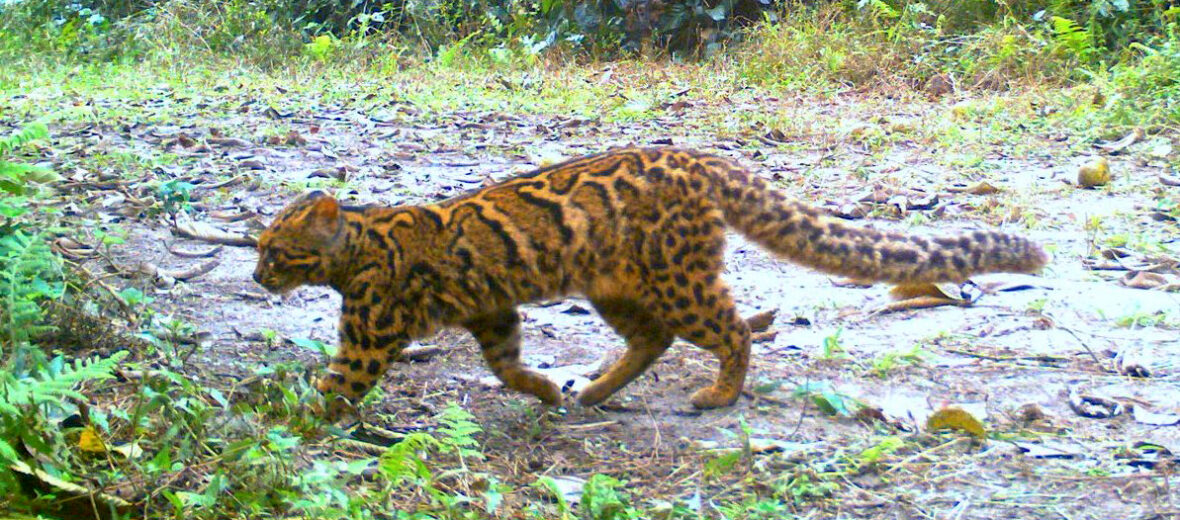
639	232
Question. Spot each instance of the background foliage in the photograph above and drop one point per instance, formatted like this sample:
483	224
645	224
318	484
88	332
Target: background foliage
970	43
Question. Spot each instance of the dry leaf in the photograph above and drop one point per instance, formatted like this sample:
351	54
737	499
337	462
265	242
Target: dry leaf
979	188
90	442
1154	419
763	445
1094	407
955	418
1094	173
252	164
205	232
906	291
69	500
228	142
1118	146
1030	412
926	295
1144	280
294	139
129	451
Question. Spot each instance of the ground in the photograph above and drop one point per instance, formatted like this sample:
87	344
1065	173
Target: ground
1014	359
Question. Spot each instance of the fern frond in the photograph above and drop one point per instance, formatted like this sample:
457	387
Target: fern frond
56	382
404	461
29	272
15	177
458	428
29	133
1072	36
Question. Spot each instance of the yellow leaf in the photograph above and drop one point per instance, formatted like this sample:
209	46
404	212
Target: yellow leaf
90	442
953	418
1094	173
926	295
915	290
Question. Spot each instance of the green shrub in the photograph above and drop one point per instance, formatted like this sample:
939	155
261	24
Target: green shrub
1146	91
268	31
33	387
975	43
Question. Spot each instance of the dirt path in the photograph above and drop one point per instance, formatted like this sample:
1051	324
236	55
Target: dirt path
1013	359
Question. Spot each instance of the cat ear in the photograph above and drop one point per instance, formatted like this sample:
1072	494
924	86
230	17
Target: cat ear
324	206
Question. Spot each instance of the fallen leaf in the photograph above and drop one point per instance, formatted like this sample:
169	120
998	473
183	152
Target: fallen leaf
927	295
1145	359
570	488
130	450
228	142
1160	148
1094	407
979	188
252	164
1115	147
70	500
185	274
763	445
955	418
1144	416
90	442
208	253
294	139
1094	173
207	233
1145	280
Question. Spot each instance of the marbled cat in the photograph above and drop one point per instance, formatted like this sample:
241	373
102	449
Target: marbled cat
639	232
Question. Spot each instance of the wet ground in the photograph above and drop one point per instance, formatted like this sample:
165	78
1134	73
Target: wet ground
1015	359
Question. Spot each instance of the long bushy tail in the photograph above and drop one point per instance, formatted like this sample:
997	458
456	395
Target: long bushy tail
807	236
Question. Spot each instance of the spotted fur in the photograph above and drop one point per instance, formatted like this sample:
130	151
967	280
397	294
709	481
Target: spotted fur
639	232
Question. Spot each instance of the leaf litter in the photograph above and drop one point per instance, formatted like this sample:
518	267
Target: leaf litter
241	172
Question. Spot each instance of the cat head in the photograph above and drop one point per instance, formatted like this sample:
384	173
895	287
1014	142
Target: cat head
300	244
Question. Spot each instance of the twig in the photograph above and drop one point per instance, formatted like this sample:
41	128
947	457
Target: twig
195	254
207	233
992	357
588	426
237	179
1082	342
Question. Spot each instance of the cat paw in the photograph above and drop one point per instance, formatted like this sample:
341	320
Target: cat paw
549	394
713	397
591	396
